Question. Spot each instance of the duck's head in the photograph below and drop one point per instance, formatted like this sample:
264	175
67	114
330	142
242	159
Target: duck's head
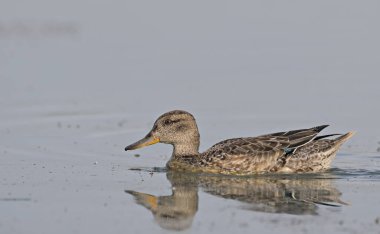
177	128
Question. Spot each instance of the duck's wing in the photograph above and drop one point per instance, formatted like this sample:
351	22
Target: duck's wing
268	148
295	138
280	141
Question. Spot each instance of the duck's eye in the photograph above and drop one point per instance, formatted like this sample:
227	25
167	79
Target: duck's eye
168	122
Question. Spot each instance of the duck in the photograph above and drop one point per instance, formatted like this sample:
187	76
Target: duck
295	151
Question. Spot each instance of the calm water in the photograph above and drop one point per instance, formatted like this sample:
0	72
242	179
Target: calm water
79	83
67	172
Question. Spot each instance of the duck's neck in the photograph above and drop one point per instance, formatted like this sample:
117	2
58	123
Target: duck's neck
184	156
186	149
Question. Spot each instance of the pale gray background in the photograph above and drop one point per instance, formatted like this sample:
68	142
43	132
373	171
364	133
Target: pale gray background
79	80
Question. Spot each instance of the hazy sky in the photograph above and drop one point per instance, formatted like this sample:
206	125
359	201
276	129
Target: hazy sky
315	59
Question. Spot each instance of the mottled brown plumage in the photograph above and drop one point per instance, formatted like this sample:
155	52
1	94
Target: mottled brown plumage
293	151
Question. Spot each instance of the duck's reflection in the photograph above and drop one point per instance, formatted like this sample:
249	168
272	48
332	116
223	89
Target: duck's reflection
265	194
176	211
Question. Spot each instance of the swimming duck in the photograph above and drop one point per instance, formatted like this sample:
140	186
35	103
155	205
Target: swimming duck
287	152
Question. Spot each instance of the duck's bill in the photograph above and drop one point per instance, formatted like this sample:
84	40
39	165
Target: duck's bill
148	140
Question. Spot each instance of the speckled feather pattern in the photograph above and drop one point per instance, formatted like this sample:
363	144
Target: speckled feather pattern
242	156
292	151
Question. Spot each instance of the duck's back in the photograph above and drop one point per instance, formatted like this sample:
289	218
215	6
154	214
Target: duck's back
269	153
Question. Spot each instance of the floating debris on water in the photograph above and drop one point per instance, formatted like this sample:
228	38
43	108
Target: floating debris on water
136	155
121	123
96	163
135	169
24	29
15	199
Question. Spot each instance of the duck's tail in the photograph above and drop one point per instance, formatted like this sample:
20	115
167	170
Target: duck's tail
340	140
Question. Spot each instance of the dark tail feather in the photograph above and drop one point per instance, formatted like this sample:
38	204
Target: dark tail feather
320	128
325	136
300	137
308	131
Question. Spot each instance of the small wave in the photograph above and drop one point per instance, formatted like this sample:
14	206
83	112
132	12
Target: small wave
149	169
355	173
333	173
